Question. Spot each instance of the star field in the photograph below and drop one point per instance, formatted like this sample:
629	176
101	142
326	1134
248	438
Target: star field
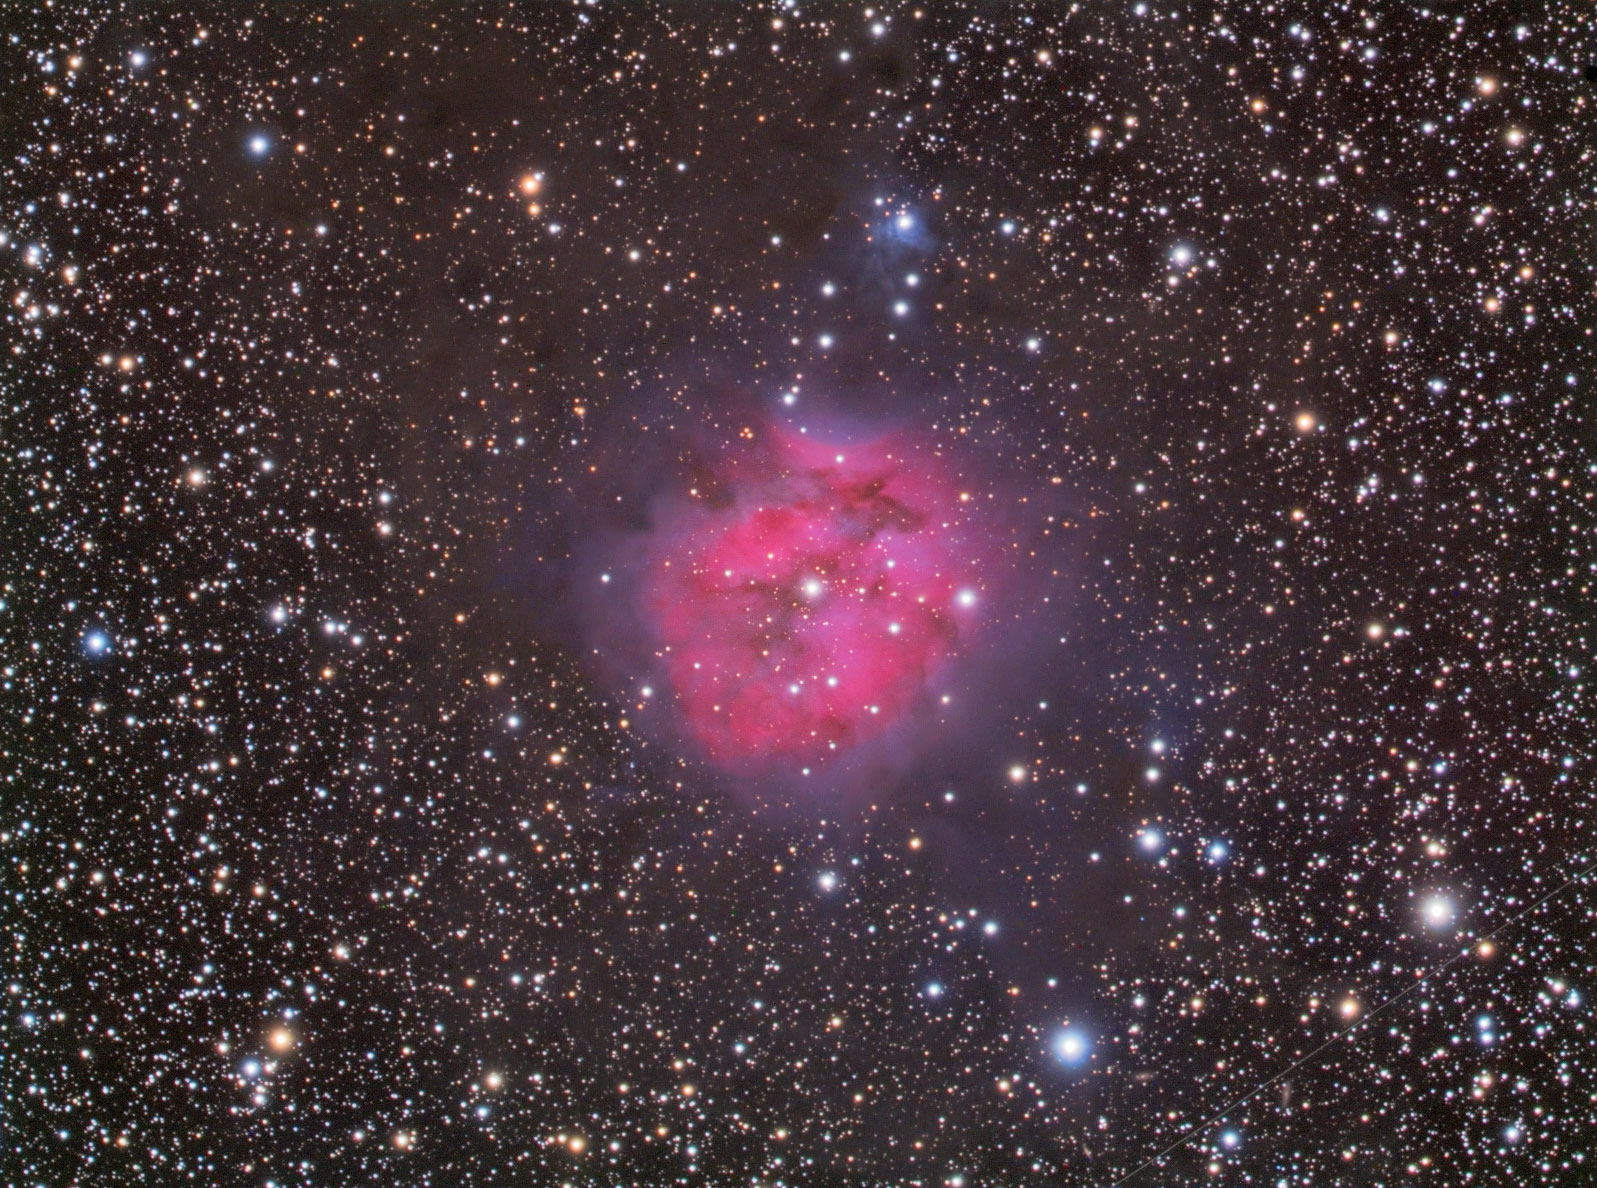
787	594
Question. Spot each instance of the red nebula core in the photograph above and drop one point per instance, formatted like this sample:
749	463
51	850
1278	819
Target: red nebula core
817	606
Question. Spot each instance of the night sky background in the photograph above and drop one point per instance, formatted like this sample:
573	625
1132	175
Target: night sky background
1230	365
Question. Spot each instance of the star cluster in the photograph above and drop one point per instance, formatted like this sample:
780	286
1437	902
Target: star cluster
450	452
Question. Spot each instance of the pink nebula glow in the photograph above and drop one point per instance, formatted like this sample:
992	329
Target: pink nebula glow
817	604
